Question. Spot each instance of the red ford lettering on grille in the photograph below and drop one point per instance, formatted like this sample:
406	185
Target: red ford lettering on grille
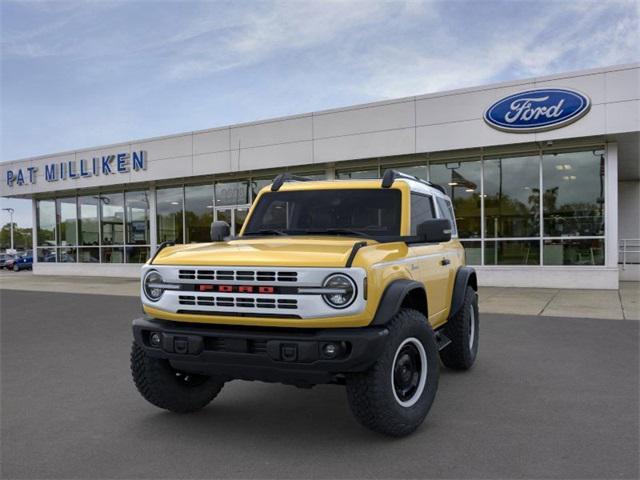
236	289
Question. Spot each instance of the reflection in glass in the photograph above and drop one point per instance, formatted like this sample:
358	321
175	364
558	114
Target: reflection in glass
512	197
473	252
240	215
462	182
46	217
137	254
224	215
112	218
88	221
112	255
573	198
89	255
574	252
169	207
137	217
357	174
512	252
46	255
66	255
198	212
232	193
67	219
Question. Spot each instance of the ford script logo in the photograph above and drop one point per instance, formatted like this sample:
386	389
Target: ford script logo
537	110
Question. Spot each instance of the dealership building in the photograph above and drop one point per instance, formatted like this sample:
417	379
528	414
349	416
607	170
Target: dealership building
544	174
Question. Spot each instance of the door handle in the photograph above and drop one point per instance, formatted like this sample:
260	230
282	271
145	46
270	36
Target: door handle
445	261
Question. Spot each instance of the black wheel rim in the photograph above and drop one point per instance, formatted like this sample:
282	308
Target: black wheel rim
406	372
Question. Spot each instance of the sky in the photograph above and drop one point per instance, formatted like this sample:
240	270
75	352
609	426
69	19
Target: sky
87	73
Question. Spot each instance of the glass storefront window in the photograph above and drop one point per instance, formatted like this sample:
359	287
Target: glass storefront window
512	252
169	208
67	221
462	182
512	197
89	255
66	255
574	251
365	173
573	198
112	218
46	254
137	218
46	218
112	255
137	254
198	212
232	193
88	220
420	171
473	252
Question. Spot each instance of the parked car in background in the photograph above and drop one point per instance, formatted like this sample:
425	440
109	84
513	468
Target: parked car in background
23	261
4	258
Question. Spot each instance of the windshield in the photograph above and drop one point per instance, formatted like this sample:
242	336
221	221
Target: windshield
354	212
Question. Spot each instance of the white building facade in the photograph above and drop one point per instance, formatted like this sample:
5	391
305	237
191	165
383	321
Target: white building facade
544	174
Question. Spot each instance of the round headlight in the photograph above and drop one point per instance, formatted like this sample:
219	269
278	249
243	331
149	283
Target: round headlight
341	290
152	286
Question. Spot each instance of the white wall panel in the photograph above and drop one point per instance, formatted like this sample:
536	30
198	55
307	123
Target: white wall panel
470	134
623	85
379	144
592	85
211	141
167	168
361	120
623	116
210	163
271	133
178	146
286	154
461	107
593	123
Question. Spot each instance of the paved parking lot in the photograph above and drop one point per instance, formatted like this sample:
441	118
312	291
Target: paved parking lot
549	398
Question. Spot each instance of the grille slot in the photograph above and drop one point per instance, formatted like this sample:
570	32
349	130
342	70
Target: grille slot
227	275
239	302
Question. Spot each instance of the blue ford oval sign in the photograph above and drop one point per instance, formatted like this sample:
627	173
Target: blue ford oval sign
537	110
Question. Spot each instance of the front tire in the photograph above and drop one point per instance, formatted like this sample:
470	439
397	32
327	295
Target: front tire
462	330
163	386
394	396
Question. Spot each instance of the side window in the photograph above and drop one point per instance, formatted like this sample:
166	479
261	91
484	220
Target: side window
421	210
447	210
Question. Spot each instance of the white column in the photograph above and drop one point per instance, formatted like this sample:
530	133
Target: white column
153	234
330	171
611	205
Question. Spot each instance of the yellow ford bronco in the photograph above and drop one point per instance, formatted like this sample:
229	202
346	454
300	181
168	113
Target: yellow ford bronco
359	283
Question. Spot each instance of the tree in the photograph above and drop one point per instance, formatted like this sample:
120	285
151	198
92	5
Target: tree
22	237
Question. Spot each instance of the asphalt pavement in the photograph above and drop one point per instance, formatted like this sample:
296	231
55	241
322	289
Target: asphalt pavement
548	398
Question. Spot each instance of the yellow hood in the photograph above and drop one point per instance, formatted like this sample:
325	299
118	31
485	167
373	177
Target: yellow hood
297	251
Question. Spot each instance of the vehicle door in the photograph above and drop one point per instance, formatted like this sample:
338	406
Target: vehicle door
453	250
426	259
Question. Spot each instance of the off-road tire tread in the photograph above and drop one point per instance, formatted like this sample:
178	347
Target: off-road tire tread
154	384
456	355
367	391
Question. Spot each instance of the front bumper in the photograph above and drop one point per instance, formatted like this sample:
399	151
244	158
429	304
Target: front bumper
294	356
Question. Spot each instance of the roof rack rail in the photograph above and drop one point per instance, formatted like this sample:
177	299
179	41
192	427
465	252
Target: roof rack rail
287	177
391	175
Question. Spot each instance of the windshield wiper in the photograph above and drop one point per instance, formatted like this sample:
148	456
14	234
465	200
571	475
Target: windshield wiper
267	231
338	231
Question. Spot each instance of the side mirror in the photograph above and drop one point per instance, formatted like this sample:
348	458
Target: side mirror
219	231
435	231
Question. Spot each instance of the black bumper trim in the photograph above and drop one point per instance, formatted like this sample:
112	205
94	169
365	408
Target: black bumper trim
286	355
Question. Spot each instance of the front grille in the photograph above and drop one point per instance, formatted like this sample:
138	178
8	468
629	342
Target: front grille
230	275
228	301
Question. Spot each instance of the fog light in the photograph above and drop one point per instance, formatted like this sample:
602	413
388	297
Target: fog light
156	339
330	350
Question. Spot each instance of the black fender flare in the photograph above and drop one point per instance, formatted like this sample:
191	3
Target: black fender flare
393	297
465	276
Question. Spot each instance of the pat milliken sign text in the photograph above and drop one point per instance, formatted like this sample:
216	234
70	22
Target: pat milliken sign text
77	169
